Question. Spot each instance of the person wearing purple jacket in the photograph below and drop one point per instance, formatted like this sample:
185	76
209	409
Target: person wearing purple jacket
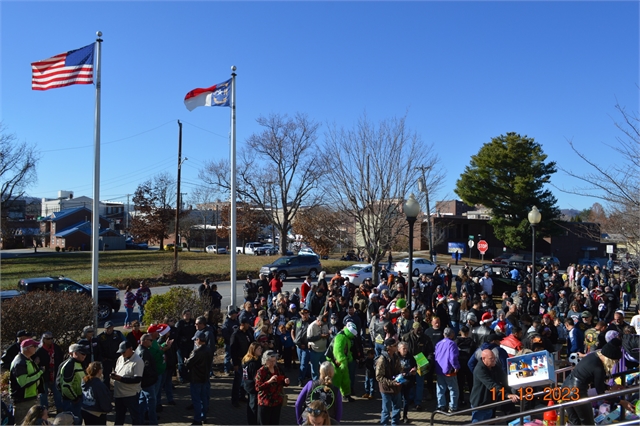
447	366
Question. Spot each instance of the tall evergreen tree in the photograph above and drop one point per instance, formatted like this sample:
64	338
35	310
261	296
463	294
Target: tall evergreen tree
508	176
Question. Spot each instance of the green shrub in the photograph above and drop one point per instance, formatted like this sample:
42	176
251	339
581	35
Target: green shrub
63	314
57	249
172	303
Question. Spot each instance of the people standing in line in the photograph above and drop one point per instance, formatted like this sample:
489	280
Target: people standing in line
186	328
275	285
251	363
318	414
143	294
387	369
447	367
148	391
135	334
344	360
25	379
108	345
369	375
240	341
166	341
204	291
216	297
49	356
592	372
488	378
270	383
96	398
69	380
127	377
318	338
199	365
321	389
129	304
466	349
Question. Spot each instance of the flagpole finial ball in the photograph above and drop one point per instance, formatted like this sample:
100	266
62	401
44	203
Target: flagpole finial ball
99	33
233	68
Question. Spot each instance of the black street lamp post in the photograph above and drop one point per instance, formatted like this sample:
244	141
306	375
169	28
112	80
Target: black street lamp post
411	210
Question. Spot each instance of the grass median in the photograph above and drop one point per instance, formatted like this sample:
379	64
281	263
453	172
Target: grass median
120	268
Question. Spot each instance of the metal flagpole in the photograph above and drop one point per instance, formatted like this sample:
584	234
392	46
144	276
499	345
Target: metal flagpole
232	241
95	217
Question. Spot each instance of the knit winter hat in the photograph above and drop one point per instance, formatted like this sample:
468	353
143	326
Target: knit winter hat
612	349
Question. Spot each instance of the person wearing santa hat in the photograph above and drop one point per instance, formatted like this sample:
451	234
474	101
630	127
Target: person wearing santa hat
480	334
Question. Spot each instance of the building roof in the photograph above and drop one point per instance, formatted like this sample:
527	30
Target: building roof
67	212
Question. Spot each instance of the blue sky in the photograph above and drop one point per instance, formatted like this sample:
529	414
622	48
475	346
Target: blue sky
463	72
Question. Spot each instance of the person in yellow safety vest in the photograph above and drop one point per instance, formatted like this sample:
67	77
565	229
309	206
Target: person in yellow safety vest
69	380
25	382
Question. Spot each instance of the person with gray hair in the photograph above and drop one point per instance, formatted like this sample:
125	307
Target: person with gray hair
447	366
270	382
321	389
49	355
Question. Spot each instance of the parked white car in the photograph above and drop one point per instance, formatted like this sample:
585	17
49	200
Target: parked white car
358	272
420	266
213	249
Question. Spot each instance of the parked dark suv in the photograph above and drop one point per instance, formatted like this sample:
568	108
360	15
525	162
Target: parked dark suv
108	296
294	266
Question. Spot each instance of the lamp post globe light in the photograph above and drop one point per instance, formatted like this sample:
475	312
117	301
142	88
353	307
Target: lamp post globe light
534	217
411	210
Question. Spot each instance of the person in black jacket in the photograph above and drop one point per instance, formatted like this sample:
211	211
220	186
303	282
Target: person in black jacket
466	348
108	345
487	377
186	328
96	398
149	379
231	324
49	355
251	363
199	365
14	349
238	347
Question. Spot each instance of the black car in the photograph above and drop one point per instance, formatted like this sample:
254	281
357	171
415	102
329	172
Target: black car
294	266
501	277
108	296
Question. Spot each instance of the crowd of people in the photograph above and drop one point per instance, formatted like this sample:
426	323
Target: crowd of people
450	343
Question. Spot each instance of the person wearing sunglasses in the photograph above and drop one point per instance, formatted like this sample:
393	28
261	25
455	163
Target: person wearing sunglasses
317	415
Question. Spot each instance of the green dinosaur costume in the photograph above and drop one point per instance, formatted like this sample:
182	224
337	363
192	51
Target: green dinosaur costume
342	356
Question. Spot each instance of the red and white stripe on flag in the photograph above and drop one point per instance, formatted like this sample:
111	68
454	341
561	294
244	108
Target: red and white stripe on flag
65	69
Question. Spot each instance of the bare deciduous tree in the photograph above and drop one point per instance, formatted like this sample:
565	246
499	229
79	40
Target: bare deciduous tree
617	185
277	171
377	173
18	162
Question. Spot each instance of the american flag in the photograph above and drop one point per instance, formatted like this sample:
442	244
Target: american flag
65	69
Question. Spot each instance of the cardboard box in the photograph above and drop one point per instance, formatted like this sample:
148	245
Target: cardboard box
532	369
423	363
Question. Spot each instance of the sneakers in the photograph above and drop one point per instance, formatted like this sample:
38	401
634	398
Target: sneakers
372	396
366	396
443	409
453	410
418	407
405	419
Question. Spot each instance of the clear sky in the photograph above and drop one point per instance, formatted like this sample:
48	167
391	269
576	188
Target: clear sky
463	72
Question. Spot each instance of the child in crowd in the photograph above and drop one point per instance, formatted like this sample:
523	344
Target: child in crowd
369	375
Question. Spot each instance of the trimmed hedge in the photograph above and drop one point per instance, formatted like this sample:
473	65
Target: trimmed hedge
63	314
172	303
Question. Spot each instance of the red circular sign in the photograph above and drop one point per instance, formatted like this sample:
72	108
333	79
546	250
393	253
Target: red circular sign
483	246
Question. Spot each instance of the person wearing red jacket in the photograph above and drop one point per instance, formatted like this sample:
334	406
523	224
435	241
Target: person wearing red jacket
512	344
276	286
304	290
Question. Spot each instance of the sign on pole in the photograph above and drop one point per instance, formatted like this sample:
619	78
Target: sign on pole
471	243
609	248
483	246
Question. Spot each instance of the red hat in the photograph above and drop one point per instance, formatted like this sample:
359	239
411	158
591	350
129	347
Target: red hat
546	316
29	342
486	317
160	328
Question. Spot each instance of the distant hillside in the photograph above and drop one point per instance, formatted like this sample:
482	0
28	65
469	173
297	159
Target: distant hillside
568	214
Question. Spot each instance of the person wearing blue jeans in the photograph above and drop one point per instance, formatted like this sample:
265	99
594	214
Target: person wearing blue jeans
387	369
148	403
446	368
302	343
199	365
318	338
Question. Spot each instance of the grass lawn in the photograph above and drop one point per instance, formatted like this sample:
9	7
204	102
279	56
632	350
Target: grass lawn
120	268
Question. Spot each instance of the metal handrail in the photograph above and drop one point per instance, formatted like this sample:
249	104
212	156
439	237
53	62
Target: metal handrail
498	403
560	406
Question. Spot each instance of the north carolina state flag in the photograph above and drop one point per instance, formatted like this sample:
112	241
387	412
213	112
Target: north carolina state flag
218	95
